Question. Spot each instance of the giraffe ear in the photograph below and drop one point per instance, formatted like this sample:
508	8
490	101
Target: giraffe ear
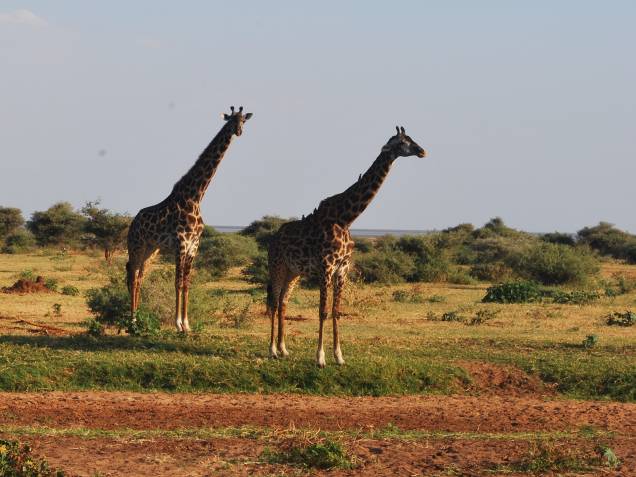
226	117
247	116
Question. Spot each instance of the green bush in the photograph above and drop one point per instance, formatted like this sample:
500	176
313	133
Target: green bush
513	292
219	252
627	318
390	266
94	327
70	290
554	264
145	323
411	296
491	272
608	240
109	304
19	241
257	271
51	284
263	229
16	461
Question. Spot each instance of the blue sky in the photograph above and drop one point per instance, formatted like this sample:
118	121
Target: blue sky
527	109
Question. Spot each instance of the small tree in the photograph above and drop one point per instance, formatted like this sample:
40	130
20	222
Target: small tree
10	220
58	225
263	229
105	229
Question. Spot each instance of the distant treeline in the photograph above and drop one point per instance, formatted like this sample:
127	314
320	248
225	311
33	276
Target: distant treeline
462	254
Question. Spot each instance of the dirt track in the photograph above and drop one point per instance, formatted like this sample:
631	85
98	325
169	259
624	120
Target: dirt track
236	456
106	410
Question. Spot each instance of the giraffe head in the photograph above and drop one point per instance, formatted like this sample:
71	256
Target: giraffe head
235	120
402	145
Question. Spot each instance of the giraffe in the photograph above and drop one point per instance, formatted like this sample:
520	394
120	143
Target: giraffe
175	223
320	244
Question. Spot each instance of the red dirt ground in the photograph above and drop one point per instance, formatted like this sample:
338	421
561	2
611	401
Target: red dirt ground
106	410
237	456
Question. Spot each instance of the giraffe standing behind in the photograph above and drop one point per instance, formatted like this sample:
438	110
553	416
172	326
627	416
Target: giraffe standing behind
320	244
175	223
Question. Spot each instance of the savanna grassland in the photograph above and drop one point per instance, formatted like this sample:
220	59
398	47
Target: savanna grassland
436	382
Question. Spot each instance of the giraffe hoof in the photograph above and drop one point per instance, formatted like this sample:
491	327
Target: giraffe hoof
283	353
321	365
273	355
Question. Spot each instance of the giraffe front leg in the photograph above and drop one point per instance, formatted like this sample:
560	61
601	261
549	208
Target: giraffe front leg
178	286
335	314
273	294
322	312
185	325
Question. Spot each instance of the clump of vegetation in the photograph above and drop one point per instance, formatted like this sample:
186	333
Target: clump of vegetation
51	284
70	290
513	292
554	264
409	296
628	318
574	297
620	285
325	454
482	316
236	314
436	299
608	240
491	272
109	304
385	266
544	457
219	252
452	316
257	271
57	310
263	229
16	460
590	341
94	327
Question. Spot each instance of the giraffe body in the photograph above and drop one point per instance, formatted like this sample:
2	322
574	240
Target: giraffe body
176	224
320	244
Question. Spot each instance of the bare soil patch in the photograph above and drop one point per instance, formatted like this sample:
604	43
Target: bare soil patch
113	410
489	378
233	456
24	286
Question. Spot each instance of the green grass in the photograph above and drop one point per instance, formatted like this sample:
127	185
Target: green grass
324	454
265	434
222	363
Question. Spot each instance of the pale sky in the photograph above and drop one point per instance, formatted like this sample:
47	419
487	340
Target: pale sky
527	109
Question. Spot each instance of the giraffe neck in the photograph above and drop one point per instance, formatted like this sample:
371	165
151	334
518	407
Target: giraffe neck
192	186
345	207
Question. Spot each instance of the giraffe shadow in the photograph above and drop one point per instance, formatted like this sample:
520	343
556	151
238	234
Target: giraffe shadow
124	343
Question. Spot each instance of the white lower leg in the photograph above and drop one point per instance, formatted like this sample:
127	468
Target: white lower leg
337	353
272	351
320	357
283	349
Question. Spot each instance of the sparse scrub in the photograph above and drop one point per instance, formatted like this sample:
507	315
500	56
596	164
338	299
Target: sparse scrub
482	316
590	341
628	318
325	454
16	460
70	290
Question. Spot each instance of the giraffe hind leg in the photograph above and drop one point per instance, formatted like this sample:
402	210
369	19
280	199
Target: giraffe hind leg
276	280
288	287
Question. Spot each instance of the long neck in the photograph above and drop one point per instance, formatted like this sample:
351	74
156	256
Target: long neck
195	182
345	207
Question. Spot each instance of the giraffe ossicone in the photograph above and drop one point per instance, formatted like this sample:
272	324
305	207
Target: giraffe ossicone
175	223
320	244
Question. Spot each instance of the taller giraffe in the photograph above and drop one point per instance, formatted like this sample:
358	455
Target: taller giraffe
175	222
320	244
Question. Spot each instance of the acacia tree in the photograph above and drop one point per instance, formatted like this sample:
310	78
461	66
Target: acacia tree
105	229
10	220
58	225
